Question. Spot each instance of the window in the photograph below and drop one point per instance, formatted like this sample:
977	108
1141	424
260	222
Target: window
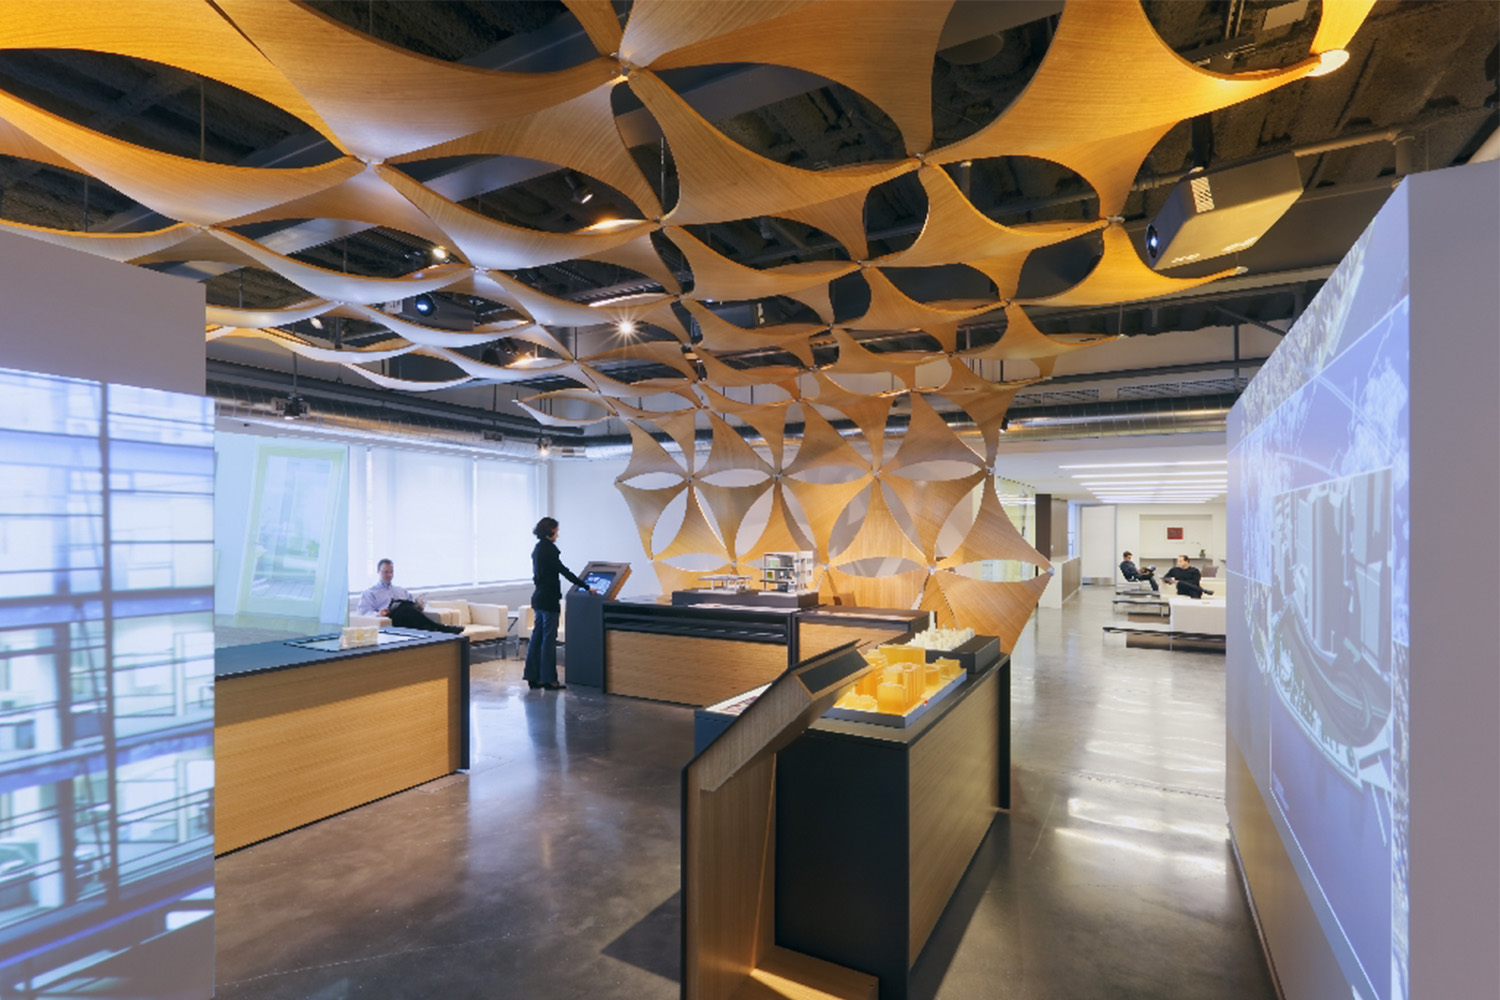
445	519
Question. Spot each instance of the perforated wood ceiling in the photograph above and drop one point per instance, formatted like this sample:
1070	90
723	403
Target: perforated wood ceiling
1107	90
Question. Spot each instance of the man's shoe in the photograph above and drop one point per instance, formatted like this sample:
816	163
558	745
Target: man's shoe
1207	591
533	685
555	687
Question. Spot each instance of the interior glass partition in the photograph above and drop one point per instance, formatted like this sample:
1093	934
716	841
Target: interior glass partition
106	686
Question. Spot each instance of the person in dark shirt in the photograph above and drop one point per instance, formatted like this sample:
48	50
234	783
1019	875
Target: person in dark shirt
1130	573
546	602
1187	577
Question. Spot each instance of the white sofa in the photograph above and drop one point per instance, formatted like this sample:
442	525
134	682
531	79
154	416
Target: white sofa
481	622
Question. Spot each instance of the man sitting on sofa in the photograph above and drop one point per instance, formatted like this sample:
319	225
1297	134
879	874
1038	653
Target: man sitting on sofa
386	600
1130	573
1188	579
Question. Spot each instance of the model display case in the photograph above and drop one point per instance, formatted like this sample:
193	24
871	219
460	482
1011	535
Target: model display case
787	572
901	688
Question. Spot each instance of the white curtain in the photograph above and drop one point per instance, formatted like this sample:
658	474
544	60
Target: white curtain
443	519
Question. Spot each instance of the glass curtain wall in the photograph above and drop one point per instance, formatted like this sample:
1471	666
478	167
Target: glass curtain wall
445	519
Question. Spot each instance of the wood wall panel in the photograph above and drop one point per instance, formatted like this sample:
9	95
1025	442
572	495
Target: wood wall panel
293	746
954	793
815	637
688	670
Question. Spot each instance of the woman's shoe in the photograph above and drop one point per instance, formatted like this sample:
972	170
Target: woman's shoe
533	685
555	687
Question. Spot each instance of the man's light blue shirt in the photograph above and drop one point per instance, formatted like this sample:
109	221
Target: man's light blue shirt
380	596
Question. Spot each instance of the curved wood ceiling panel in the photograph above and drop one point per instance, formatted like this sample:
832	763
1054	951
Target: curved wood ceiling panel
992	536
15	142
1121	276
226	316
421	101
989	608
312	352
730	452
1340	20
716	278
891	65
930	502
351	288
842	218
696	535
405	384
187	190
600	23
682	427
1107	73
365	197
869	412
532	404
878	535
723	374
1022	341
647	456
769	421
543	308
823	504
985	402
729	505
639	254
646	506
492	244
892	590
956	231
661	352
671	578
719	179
890	309
114	246
823	447
856	359
929	439
579	134
781	534
189	34
722	335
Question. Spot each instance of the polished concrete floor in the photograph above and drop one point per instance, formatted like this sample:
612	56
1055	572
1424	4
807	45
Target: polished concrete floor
551	869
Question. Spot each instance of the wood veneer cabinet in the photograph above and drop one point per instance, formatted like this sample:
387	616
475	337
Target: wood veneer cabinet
875	828
301	734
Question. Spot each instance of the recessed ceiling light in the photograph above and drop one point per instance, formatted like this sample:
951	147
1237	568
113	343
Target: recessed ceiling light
1330	61
439	253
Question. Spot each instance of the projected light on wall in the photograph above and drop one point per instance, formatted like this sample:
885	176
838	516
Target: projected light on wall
282	531
1318	647
106	689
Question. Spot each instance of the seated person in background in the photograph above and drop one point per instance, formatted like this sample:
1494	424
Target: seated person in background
1129	572
1187	577
387	600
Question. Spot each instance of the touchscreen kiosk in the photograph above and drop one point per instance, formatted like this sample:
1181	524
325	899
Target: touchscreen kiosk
605	578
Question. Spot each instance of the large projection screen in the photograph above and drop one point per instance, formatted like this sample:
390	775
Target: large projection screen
1318	644
106	690
281	537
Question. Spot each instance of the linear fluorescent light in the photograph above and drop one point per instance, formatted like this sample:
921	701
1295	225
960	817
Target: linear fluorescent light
629	297
1143	465
1147	475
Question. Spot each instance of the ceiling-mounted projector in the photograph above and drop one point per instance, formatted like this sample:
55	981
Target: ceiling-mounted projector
1218	211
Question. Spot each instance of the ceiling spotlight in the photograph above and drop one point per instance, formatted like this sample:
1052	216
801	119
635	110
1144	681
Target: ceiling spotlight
581	193
439	253
317	324
294	407
543	447
1330	61
424	305
625	327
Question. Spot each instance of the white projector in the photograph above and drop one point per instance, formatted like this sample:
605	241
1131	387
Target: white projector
1214	212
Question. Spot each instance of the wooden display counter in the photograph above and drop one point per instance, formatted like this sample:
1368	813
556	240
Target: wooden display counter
876	826
702	654
301	734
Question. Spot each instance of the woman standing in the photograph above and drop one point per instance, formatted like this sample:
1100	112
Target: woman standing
546	601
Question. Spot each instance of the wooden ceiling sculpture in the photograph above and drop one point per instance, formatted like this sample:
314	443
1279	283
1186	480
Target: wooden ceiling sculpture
1107	90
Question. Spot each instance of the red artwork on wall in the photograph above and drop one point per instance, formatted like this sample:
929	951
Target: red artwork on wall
1174	534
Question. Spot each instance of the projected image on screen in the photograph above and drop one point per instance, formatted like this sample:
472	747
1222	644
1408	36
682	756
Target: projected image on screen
281	537
106	690
1317	659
